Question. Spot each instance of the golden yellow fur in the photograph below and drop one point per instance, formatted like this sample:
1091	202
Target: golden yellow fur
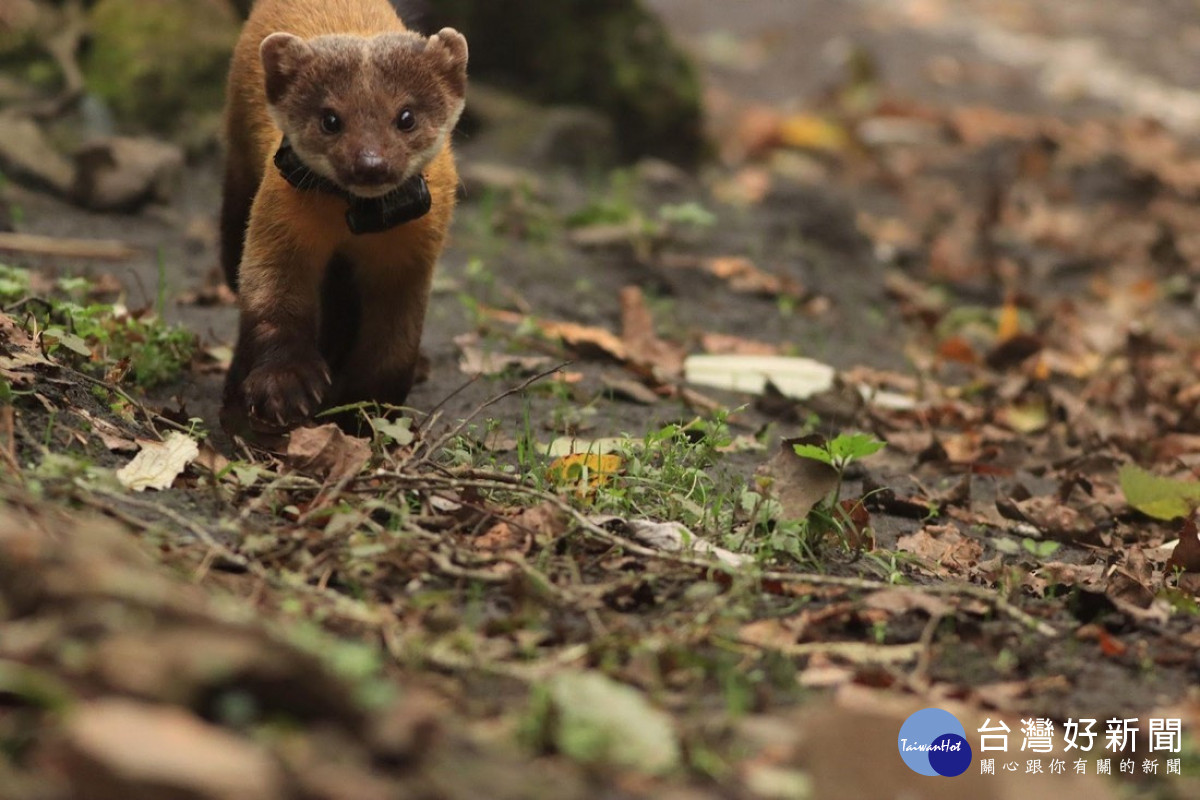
292	236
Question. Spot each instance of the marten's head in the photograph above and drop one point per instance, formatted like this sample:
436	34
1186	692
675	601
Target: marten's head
366	113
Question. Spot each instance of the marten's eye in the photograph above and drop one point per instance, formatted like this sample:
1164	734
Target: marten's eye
407	120
330	122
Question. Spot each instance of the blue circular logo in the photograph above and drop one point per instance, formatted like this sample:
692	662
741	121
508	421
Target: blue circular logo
933	742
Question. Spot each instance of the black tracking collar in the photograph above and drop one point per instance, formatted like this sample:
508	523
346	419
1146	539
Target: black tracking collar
408	201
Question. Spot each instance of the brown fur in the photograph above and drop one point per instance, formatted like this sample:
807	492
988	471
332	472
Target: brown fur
327	317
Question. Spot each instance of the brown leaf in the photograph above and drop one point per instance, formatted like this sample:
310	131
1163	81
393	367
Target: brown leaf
902	600
744	277
798	483
585	339
111	436
476	360
942	546
503	538
145	750
721	344
327	453
1130	583
858	532
629	389
19	354
1054	519
1186	555
645	348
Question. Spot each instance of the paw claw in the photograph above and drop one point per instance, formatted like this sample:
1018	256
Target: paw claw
283	394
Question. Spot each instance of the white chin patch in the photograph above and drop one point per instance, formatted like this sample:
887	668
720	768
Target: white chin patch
370	192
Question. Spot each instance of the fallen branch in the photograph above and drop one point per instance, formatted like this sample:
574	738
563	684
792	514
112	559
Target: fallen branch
56	247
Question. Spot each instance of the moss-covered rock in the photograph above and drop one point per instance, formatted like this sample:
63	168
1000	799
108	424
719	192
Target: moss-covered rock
615	56
160	63
26	67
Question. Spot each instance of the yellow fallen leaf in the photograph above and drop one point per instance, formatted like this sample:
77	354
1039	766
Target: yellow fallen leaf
1009	324
810	132
586	471
1029	417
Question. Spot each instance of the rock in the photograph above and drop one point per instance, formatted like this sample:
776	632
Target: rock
121	750
160	64
17	20
663	176
480	177
576	137
26	155
615	57
123	174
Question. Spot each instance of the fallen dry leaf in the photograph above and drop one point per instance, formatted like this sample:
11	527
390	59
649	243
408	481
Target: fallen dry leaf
798	483
722	344
630	389
642	345
112	437
19	354
1186	555
476	360
146	750
158	464
942	546
327	453
673	537
584	471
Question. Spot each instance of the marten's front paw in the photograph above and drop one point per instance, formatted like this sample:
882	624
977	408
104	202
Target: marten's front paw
279	396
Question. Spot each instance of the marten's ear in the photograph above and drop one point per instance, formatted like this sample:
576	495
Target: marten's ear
283	56
451	47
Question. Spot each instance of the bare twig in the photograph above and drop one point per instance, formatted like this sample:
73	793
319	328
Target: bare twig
441	441
54	246
495	482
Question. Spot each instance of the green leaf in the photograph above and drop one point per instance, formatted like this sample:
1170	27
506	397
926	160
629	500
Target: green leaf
814	452
1042	549
399	431
1158	497
69	341
848	447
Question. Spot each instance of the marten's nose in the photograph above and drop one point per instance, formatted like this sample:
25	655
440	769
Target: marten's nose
370	169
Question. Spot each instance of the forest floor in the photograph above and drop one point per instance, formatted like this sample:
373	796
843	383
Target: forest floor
947	228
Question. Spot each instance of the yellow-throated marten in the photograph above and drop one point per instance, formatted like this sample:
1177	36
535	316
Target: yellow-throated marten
339	188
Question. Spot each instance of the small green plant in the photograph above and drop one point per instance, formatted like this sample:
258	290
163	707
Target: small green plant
691	215
140	348
800	538
613	206
668	475
839	452
156	353
1039	549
